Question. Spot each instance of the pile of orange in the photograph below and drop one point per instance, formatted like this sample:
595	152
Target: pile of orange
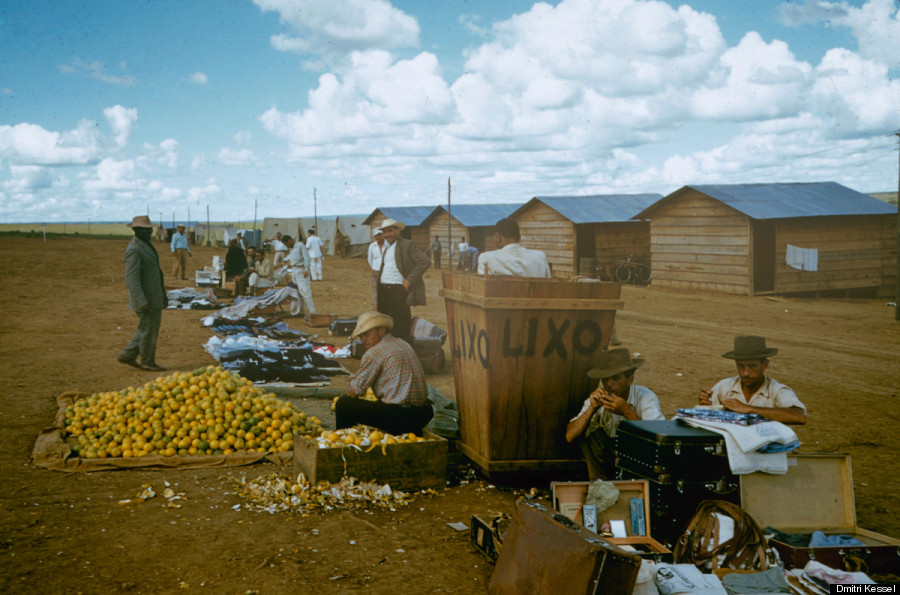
363	437
209	411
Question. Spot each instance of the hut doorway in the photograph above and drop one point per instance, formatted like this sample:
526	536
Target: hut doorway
763	256
585	250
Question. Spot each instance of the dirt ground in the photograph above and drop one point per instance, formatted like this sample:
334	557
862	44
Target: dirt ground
65	318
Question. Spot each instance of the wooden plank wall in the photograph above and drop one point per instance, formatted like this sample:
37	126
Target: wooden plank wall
438	228
698	242
854	252
544	229
617	241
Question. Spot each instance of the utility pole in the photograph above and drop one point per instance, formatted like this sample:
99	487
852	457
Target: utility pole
315	213
449	236
188	230
208	230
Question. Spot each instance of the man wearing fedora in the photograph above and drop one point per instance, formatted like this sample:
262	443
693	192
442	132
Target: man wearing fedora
615	399
392	370
180	250
751	391
400	283
146	296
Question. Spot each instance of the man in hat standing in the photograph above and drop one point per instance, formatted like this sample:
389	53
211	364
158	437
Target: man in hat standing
180	250
392	370
751	391
512	258
146	296
376	253
616	398
400	283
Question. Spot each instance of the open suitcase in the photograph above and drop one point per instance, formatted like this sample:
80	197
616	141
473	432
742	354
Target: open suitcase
817	494
545	552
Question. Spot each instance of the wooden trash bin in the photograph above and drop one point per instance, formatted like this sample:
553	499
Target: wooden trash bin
521	350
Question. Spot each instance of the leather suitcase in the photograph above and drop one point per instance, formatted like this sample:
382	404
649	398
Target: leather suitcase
817	494
430	352
664	449
674	500
545	552
343	327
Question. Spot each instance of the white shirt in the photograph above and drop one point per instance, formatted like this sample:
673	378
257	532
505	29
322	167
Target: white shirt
643	400
375	254
390	274
515	260
314	245
771	394
298	258
279	246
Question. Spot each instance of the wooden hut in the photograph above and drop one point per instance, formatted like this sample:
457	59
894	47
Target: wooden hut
751	239
580	234
412	217
473	223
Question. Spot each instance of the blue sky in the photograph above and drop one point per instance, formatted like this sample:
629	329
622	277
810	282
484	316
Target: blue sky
110	109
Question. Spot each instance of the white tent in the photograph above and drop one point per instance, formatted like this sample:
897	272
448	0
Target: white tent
289	226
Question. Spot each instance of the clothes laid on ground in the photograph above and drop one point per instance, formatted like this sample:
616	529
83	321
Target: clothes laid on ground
743	443
723	415
222	347
191	299
244	306
296	364
756	583
257	327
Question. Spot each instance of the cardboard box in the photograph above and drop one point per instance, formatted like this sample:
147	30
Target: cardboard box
817	494
404	466
318	320
568	498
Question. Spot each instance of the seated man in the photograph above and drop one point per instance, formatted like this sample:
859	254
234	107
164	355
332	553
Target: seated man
616	398
751	391
512	258
392	370
260	269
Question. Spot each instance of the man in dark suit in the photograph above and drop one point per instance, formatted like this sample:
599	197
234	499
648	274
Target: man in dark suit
400	284
146	296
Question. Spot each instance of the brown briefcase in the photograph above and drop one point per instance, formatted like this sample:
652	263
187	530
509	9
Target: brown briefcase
545	552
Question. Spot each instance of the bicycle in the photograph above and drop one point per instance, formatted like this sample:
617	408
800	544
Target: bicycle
631	271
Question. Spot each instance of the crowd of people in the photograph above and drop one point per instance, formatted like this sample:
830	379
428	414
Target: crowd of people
390	366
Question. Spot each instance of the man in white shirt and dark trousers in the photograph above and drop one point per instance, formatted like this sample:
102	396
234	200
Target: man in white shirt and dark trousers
400	283
511	258
298	260
376	252
314	247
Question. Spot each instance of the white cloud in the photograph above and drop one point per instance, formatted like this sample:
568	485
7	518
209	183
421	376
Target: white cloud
242	157
115	176
31	144
199	193
121	120
337	27
28	178
97	71
198	78
242	137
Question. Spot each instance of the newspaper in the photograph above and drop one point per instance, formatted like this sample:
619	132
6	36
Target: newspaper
675	579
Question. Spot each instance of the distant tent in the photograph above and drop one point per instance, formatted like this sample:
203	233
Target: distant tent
355	235
289	226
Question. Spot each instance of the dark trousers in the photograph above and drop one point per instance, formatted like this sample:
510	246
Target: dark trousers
600	455
144	340
392	301
393	419
437	259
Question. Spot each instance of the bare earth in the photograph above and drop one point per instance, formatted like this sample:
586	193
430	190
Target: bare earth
65	318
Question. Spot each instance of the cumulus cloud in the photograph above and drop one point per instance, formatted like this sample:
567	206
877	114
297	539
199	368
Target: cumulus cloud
337	27
32	144
241	157
121	120
114	175
207	192
198	78
28	178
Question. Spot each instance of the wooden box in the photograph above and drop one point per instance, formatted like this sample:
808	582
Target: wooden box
568	498
521	349
404	466
817	494
318	320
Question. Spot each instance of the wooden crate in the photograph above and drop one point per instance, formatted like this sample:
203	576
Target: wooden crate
404	466
816	494
521	349
568	498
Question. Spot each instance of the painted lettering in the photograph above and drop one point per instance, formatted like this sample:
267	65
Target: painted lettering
483	348
509	350
556	339
590	328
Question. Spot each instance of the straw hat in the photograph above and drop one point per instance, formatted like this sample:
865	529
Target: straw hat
140	221
369	320
391	223
750	347
615	361
377	231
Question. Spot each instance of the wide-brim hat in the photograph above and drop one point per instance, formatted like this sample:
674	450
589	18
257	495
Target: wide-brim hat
377	231
614	361
750	347
391	223
369	320
140	221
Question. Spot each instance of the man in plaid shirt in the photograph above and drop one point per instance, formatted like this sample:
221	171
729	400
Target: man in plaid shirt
392	370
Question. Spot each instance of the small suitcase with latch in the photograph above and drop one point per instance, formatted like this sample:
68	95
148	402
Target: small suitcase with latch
545	552
668	447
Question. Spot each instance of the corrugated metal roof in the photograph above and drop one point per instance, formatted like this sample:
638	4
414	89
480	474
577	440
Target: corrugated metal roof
405	215
599	208
478	215
783	201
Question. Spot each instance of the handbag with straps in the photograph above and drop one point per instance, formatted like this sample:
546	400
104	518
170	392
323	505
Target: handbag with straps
701	544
